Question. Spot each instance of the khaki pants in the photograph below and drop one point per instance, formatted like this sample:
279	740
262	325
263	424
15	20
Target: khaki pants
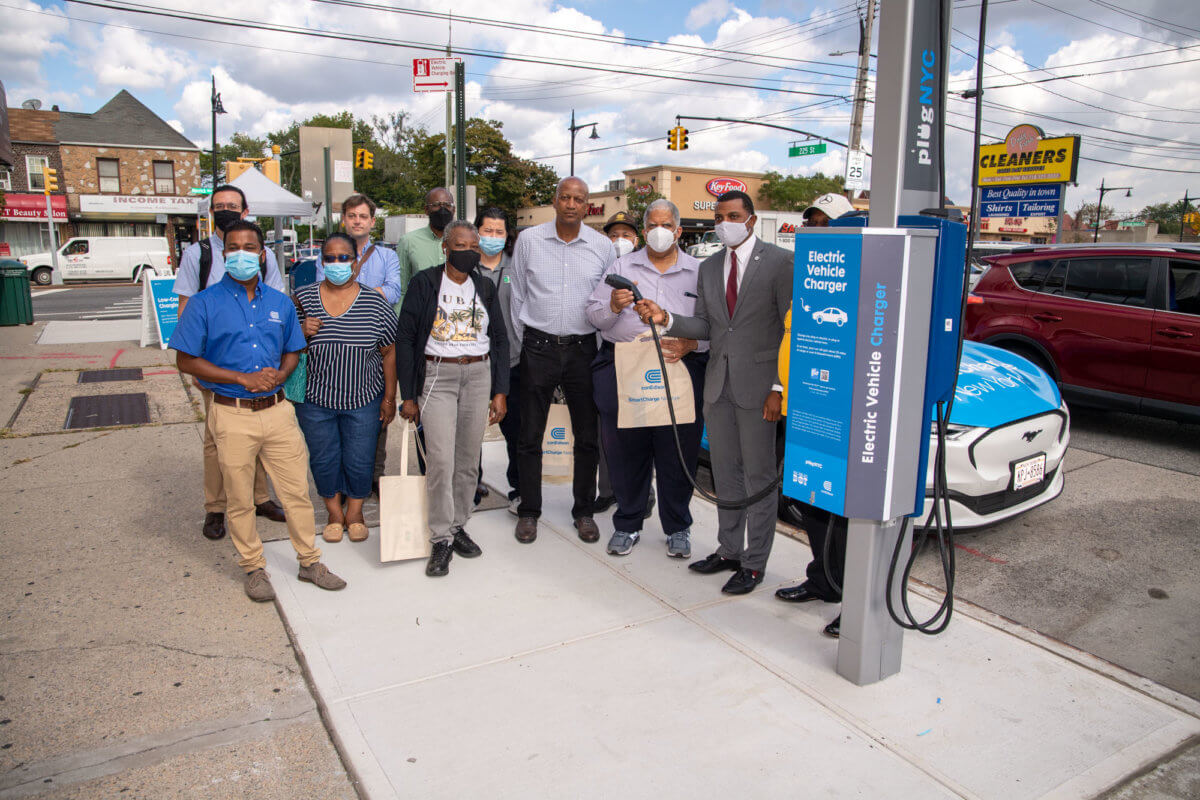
270	438
214	486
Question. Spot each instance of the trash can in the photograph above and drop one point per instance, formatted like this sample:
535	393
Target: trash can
16	302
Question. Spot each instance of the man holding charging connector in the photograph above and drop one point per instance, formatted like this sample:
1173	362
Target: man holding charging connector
744	292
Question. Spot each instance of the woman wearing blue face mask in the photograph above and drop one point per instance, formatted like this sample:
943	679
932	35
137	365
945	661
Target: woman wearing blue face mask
351	333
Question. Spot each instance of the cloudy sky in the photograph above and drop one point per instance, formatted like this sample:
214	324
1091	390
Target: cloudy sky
1122	73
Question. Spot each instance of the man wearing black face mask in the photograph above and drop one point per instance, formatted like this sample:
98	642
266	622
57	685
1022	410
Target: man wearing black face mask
422	248
201	266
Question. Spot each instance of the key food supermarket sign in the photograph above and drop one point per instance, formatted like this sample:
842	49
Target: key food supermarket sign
1025	157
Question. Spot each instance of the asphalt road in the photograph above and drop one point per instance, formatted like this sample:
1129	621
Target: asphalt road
92	301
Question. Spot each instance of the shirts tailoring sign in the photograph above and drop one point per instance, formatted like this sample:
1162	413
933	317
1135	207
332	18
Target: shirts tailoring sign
1021	201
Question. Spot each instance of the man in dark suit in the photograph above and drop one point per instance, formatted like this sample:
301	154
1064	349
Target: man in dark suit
744	294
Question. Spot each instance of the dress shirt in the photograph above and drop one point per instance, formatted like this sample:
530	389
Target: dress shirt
418	250
553	279
673	290
744	251
380	271
225	328
187	279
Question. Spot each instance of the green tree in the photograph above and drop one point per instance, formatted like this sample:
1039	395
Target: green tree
1085	215
636	203
1168	215
796	192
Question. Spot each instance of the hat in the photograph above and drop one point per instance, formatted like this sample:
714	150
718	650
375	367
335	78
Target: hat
831	205
622	218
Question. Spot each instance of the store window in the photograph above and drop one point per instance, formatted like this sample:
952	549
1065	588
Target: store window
34	165
109	171
164	177
6	180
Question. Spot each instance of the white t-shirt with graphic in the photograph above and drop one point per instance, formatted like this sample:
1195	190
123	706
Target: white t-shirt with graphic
460	324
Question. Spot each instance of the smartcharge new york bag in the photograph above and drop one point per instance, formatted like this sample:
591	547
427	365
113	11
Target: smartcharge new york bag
641	392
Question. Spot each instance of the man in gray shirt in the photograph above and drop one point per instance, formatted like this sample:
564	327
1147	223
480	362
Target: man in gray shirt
556	265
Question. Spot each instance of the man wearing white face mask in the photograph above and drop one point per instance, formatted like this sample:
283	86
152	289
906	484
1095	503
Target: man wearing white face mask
744	292
667	275
622	230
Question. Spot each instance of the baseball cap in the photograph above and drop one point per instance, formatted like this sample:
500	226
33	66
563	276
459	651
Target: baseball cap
622	218
832	205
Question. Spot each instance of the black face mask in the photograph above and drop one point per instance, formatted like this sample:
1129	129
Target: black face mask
438	220
463	260
224	218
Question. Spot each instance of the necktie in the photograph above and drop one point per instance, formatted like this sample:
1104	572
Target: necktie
731	285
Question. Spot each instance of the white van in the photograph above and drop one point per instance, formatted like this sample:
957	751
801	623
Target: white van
86	258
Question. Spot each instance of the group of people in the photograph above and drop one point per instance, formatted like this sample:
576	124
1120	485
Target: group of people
464	325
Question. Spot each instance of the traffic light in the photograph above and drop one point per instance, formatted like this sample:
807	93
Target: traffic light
50	178
677	138
364	158
671	144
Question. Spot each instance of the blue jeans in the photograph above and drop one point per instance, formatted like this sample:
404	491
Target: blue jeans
341	446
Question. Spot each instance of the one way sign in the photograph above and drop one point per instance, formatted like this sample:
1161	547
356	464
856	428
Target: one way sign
434	74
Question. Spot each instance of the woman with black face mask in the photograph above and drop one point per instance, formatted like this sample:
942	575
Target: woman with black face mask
452	366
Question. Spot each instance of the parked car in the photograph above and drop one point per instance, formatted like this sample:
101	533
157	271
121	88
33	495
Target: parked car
103	258
1116	327
1008	434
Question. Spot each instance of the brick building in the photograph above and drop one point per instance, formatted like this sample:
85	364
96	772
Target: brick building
23	219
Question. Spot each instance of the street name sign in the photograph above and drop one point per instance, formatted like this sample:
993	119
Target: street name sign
814	149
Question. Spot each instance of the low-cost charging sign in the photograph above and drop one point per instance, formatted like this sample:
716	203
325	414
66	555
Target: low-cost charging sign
859	340
1033	200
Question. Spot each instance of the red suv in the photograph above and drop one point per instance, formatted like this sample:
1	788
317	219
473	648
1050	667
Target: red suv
1116	326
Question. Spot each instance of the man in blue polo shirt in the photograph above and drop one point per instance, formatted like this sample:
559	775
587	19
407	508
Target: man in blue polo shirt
241	339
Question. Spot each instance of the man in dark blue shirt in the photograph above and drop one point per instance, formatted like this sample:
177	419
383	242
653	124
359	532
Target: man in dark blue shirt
241	340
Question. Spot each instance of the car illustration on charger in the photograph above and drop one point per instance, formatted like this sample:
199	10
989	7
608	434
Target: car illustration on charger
833	315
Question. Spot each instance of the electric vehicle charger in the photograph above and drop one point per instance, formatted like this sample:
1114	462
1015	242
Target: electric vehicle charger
621	282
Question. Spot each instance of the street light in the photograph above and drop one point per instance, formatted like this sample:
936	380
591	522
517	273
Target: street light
1103	191
217	108
575	129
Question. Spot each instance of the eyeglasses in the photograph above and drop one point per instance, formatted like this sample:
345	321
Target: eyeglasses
440	205
341	258
227	207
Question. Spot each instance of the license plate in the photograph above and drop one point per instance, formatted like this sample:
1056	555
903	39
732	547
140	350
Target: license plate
1029	472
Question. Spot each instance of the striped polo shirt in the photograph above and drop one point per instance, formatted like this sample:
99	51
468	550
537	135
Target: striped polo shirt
345	368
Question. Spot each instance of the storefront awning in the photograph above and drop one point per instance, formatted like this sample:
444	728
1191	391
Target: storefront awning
32	207
135	206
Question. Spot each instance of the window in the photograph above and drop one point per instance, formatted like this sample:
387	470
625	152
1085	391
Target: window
164	177
33	168
1030	274
1184	296
76	248
6	180
109	170
1109	280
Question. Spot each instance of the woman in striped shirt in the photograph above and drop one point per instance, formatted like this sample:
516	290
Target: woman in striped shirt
351	392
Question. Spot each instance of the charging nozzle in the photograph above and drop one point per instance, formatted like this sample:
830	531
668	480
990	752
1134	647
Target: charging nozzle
621	282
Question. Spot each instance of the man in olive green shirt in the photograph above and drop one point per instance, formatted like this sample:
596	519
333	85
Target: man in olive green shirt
422	248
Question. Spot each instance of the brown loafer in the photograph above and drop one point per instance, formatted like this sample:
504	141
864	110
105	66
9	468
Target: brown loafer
358	532
214	525
526	530
271	511
333	532
588	532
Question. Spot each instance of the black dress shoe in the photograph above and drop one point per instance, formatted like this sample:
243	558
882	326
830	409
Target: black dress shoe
465	546
271	511
834	629
526	530
714	563
802	594
603	504
588	532
439	560
743	581
482	489
214	525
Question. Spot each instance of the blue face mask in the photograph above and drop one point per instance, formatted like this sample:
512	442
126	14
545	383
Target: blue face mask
242	265
491	244
338	272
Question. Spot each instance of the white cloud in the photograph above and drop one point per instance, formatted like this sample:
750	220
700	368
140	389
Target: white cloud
27	37
707	12
126	59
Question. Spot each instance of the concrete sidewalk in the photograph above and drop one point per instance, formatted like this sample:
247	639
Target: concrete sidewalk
553	669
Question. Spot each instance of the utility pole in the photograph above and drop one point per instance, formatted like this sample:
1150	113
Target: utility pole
460	140
1183	214
860	85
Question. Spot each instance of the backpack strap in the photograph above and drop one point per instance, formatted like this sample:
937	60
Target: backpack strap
205	264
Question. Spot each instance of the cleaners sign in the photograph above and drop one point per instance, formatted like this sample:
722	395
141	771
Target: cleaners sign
847	450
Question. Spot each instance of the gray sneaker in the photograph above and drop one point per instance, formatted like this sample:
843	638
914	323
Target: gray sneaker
621	543
319	575
258	586
679	544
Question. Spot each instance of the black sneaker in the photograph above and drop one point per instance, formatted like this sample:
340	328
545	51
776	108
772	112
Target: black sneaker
439	560
465	546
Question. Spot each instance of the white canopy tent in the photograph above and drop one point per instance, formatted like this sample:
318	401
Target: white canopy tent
266	198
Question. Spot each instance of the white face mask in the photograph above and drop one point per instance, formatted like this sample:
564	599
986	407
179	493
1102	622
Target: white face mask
732	234
660	239
624	247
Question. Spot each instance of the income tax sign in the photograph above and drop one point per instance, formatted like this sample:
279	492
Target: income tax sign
719	186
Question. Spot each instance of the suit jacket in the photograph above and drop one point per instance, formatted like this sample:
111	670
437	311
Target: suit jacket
745	349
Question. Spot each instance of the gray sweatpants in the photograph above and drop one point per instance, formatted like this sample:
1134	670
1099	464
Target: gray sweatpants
454	412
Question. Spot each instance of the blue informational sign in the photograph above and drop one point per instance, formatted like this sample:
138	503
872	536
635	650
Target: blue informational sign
1033	200
166	307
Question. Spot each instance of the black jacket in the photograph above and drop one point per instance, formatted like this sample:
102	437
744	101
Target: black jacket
417	313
